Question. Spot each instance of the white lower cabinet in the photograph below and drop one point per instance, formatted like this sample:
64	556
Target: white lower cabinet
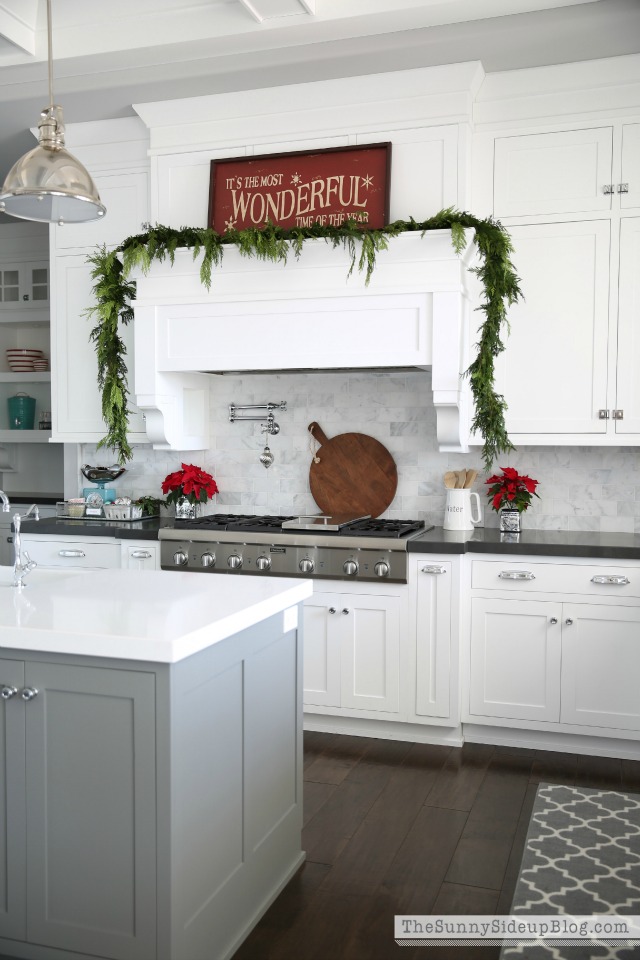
352	652
92	553
434	667
555	643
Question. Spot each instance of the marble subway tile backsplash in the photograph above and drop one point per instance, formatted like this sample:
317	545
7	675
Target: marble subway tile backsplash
581	488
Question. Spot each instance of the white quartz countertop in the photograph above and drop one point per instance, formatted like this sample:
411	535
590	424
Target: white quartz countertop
155	615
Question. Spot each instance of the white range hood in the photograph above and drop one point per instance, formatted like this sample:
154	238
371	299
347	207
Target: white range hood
305	315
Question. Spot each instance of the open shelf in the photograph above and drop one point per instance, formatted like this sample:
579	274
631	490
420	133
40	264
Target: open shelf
25	436
28	377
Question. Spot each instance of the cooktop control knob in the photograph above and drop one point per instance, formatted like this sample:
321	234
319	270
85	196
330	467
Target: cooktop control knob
350	567
234	562
208	560
180	558
306	565
263	563
382	568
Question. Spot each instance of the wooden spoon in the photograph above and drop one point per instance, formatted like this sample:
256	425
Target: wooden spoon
470	478
460	478
450	479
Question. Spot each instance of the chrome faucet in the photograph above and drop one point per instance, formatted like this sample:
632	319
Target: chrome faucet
6	506
22	562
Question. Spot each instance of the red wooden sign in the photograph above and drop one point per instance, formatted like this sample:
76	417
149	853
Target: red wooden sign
302	188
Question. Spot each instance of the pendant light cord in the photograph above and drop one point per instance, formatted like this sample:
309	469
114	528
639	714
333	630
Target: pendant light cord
50	53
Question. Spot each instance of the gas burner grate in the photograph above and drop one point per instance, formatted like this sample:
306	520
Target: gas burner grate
252	523
383	528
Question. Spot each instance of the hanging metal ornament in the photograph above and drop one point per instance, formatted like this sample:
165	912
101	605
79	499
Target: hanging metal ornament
266	458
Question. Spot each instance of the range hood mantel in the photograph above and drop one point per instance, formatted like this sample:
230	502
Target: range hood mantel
306	315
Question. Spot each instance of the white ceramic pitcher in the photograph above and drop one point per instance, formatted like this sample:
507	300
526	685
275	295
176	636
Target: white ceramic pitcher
458	514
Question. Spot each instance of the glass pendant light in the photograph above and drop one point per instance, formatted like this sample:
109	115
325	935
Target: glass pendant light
48	183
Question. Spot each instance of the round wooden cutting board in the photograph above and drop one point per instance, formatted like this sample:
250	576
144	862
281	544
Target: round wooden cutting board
355	474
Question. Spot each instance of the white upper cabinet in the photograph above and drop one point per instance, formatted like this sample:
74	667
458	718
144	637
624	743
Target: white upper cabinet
553	372
125	195
630	168
628	385
545	173
24	285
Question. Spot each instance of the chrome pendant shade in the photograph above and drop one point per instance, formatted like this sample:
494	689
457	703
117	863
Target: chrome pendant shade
48	183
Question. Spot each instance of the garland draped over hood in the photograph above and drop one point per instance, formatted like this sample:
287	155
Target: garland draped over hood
114	293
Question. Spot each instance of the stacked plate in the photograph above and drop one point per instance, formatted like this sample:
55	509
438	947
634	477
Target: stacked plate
22	359
40	366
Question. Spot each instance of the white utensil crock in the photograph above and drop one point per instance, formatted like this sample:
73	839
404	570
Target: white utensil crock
458	514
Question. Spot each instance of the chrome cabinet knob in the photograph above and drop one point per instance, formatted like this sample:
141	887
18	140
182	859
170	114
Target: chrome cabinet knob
234	562
208	560
346	610
29	693
381	569
263	563
350	567
7	692
332	609
306	565
553	620
569	621
180	558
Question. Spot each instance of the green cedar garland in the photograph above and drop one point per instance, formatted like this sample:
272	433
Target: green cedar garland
114	293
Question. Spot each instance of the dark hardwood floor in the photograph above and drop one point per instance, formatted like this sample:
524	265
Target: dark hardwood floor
395	827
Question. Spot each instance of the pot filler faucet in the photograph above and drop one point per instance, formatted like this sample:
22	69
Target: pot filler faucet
22	562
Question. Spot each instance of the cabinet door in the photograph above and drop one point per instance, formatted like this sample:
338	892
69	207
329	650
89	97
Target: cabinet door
12	814
126	197
515	659
628	384
545	173
140	556
601	666
24	285
369	630
630	170
433	640
321	651
51	552
91	825
553	372
76	400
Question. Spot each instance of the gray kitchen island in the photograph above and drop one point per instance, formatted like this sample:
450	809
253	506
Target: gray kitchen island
151	804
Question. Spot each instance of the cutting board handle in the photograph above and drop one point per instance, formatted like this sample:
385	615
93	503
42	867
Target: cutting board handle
317	432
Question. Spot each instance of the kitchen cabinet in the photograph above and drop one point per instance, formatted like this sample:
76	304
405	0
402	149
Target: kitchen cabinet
142	555
434	626
627	384
24	286
49	551
555	643
77	801
76	401
563	172
352	652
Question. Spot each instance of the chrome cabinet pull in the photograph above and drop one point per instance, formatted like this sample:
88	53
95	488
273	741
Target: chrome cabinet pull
553	620
434	569
332	609
345	610
29	693
7	692
607	189
516	575
616	580
71	553
141	555
568	621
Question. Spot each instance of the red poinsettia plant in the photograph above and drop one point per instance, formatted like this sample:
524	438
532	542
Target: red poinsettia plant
191	482
511	489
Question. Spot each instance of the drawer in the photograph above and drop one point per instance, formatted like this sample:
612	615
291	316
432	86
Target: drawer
601	580
72	553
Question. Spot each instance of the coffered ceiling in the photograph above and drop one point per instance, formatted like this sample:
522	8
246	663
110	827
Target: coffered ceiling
110	55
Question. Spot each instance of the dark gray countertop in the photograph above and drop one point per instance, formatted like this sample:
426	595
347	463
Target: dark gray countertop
125	530
543	543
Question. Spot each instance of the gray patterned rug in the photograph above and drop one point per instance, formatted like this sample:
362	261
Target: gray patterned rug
581	858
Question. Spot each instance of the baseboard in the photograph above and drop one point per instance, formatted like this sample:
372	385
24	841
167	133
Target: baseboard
384	730
555	742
